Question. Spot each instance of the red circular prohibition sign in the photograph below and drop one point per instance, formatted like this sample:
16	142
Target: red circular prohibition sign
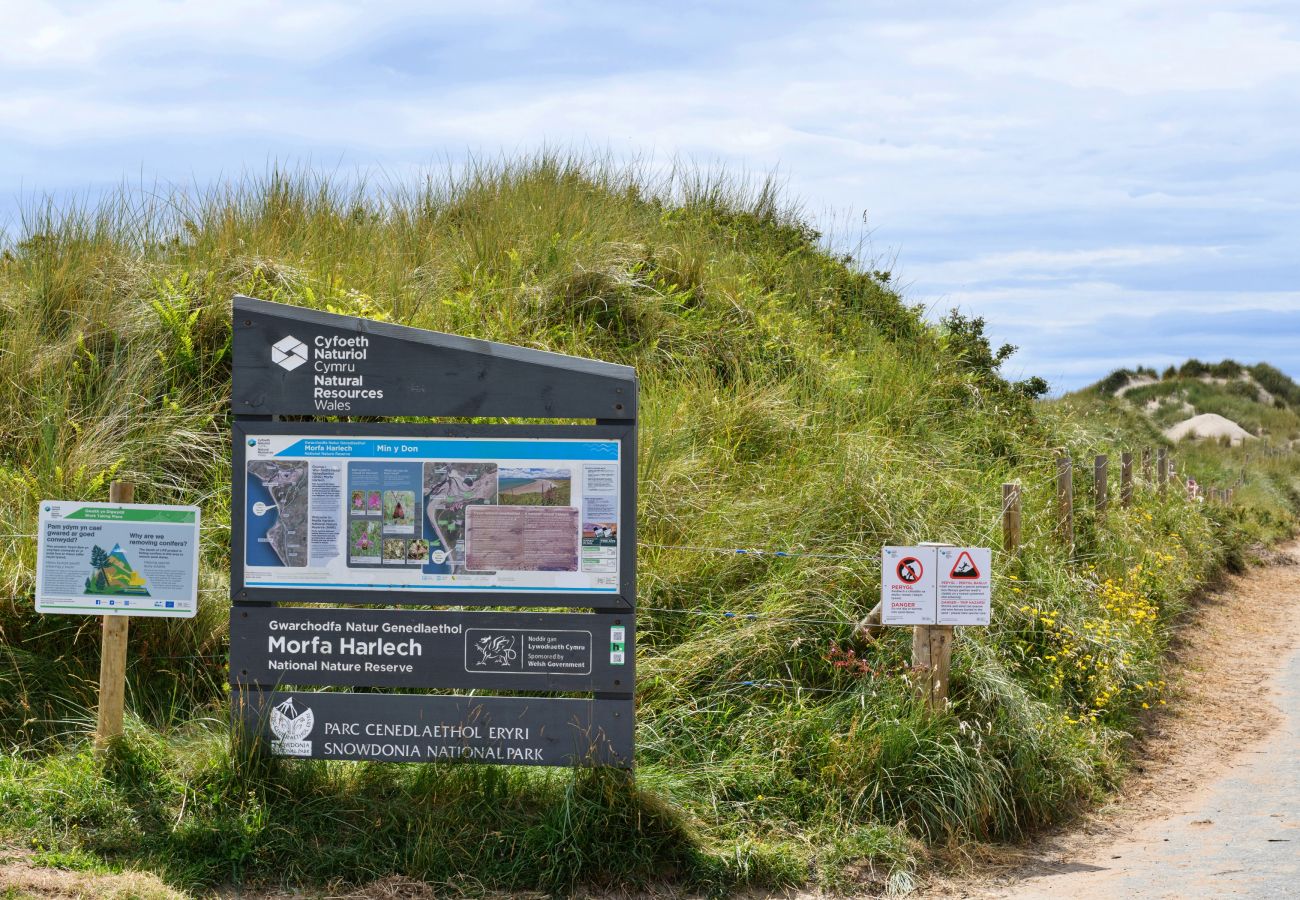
909	570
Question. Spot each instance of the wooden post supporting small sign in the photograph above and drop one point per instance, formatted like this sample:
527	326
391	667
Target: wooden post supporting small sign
1162	468
932	663
112	658
932	659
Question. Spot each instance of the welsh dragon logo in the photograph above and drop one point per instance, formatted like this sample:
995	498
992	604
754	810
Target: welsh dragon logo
499	649
291	728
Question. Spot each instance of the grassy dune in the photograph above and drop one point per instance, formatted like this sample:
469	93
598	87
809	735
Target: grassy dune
791	400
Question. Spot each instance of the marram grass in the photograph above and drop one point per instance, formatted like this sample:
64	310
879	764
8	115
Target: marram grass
791	400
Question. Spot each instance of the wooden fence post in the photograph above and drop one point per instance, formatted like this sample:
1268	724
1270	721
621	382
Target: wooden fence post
1065	498
1101	482
932	658
932	663
1162	468
1126	479
112	653
1011	518
1146	465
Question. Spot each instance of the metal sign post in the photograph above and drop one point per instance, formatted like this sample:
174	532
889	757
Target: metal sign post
349	513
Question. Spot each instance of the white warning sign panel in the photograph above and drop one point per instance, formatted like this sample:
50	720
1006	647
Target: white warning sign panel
965	585
907	585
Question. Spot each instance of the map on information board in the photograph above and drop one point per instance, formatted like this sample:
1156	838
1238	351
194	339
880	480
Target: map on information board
432	514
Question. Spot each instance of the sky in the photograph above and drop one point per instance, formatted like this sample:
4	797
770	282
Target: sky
1108	183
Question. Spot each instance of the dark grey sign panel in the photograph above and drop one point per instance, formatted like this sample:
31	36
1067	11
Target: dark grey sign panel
439	728
432	649
288	360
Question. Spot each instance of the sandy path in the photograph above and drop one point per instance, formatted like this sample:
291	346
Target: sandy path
1213	810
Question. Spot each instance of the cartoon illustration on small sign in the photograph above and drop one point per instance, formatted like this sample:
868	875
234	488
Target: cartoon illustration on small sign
113	574
965	567
909	570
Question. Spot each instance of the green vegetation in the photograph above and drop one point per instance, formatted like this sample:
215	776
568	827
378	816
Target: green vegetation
1259	398
1263	400
791	400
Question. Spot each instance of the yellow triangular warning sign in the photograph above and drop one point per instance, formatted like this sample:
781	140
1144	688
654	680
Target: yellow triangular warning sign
965	567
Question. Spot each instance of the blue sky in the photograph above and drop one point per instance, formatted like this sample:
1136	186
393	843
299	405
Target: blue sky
1108	183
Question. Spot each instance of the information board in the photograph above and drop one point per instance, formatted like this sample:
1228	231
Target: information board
964	593
430	516
431	648
117	559
907	580
424	513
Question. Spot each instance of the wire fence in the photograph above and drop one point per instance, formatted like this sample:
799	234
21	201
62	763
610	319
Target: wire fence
869	561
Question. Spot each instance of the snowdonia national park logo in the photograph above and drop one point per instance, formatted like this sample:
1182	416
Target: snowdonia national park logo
291	728
289	353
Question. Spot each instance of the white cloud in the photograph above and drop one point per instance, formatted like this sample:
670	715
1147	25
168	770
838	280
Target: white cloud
1083	160
1048	264
1130	47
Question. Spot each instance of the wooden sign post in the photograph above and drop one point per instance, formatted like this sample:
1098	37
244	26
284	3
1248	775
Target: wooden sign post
112	653
932	663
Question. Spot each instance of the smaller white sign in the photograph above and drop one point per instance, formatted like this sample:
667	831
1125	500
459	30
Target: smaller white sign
117	559
907	585
965	592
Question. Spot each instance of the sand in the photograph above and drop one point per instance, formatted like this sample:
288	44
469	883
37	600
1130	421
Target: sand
1208	425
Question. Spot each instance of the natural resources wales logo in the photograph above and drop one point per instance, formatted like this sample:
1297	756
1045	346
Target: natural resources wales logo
290	728
289	353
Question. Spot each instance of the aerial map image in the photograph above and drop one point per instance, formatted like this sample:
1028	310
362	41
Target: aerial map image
448	488
276	513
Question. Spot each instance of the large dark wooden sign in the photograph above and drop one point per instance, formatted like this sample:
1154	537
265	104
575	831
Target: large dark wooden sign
428	514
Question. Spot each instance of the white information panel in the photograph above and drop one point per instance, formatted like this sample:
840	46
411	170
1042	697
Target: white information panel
129	559
432	514
907	581
965	590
